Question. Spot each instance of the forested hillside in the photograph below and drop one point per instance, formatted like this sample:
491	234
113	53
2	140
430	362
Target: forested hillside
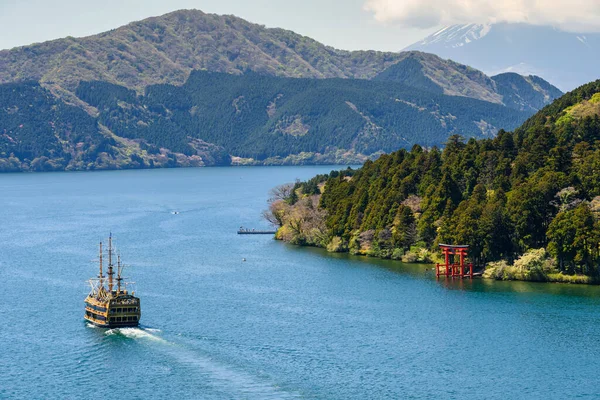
521	192
261	117
256	119
37	127
41	133
527	93
431	73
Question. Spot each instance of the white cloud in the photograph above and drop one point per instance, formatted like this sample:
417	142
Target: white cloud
571	15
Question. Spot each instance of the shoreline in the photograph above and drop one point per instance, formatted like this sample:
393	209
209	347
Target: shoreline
557	277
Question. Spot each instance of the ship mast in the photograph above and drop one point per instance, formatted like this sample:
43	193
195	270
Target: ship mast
119	268
101	276
110	265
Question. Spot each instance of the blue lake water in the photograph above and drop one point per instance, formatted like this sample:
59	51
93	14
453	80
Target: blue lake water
288	323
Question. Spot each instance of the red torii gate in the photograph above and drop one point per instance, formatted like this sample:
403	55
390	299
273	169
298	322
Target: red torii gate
452	267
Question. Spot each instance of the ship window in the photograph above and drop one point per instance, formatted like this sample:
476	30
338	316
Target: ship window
118	319
119	310
130	309
112	319
113	310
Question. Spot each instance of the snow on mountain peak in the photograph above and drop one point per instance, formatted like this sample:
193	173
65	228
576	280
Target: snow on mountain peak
522	48
457	35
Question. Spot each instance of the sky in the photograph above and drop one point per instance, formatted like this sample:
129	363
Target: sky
388	25
570	15
344	24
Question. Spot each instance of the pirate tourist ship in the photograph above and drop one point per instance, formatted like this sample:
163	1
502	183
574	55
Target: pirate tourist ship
108	306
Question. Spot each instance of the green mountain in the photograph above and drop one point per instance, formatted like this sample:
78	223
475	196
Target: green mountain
526	93
527	191
142	99
260	117
430	72
166	49
39	132
257	119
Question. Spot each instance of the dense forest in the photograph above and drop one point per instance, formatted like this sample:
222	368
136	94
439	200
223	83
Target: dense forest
257	119
39	132
529	197
36	127
262	117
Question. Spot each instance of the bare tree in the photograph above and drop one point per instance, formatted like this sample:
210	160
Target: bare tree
276	213
281	192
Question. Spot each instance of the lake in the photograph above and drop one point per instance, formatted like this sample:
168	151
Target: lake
288	322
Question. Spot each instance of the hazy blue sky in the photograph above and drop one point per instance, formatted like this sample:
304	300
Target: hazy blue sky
344	24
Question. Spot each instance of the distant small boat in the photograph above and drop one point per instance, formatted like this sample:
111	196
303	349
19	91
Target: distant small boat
175	212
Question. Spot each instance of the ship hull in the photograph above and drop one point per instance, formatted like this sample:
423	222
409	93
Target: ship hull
101	324
120	311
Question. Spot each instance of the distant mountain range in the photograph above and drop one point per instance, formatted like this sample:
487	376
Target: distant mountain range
433	74
122	99
568	60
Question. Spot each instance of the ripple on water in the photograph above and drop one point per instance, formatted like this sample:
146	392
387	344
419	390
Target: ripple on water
222	378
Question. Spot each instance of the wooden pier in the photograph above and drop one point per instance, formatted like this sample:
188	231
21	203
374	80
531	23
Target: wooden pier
245	231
